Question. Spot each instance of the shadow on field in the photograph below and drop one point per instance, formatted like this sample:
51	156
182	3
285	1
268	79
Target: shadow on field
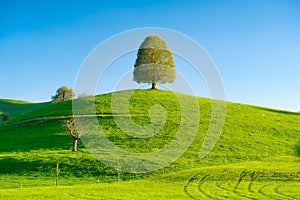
21	167
47	166
280	111
30	137
298	149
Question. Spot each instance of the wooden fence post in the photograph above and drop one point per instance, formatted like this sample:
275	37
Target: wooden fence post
57	172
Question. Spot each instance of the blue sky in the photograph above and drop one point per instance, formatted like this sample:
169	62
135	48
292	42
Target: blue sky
254	44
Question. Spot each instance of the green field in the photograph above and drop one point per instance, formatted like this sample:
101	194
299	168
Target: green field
17	108
256	157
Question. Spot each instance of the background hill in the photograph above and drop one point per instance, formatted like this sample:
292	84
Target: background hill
17	107
257	145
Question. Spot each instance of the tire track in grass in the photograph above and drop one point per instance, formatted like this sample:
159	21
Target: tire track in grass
201	182
241	178
253	179
202	189
188	184
220	195
276	190
193	180
253	176
242	175
232	192
250	185
262	189
218	184
185	189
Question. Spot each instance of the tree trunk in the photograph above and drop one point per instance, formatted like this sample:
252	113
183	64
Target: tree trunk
56	180
75	141
154	86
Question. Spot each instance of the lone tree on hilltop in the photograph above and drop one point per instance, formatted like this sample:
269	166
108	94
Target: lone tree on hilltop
154	63
62	94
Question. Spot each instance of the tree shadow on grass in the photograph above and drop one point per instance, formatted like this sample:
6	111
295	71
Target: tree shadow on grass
15	166
298	149
47	166
29	137
279	111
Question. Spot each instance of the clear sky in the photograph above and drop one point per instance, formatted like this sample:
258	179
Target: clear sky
255	44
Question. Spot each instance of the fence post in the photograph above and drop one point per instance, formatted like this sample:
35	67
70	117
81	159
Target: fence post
119	171
57	172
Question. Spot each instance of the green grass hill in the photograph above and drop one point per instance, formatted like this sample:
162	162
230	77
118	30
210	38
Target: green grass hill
17	108
256	157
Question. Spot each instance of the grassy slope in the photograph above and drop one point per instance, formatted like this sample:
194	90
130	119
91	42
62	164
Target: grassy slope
17	108
254	139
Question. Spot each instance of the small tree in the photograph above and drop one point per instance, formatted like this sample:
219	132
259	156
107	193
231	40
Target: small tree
84	95
6	116
154	63
70	124
62	94
1	115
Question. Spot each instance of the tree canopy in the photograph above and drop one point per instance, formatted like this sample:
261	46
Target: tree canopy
62	94
154	62
6	116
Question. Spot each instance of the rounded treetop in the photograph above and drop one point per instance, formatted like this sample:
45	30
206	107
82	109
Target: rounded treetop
154	41
154	62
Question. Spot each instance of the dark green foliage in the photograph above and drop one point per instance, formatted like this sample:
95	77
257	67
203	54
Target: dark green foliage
6	116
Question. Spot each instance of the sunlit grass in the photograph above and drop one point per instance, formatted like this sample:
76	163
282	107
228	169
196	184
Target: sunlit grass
254	139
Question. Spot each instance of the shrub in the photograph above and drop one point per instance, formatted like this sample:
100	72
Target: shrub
6	116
